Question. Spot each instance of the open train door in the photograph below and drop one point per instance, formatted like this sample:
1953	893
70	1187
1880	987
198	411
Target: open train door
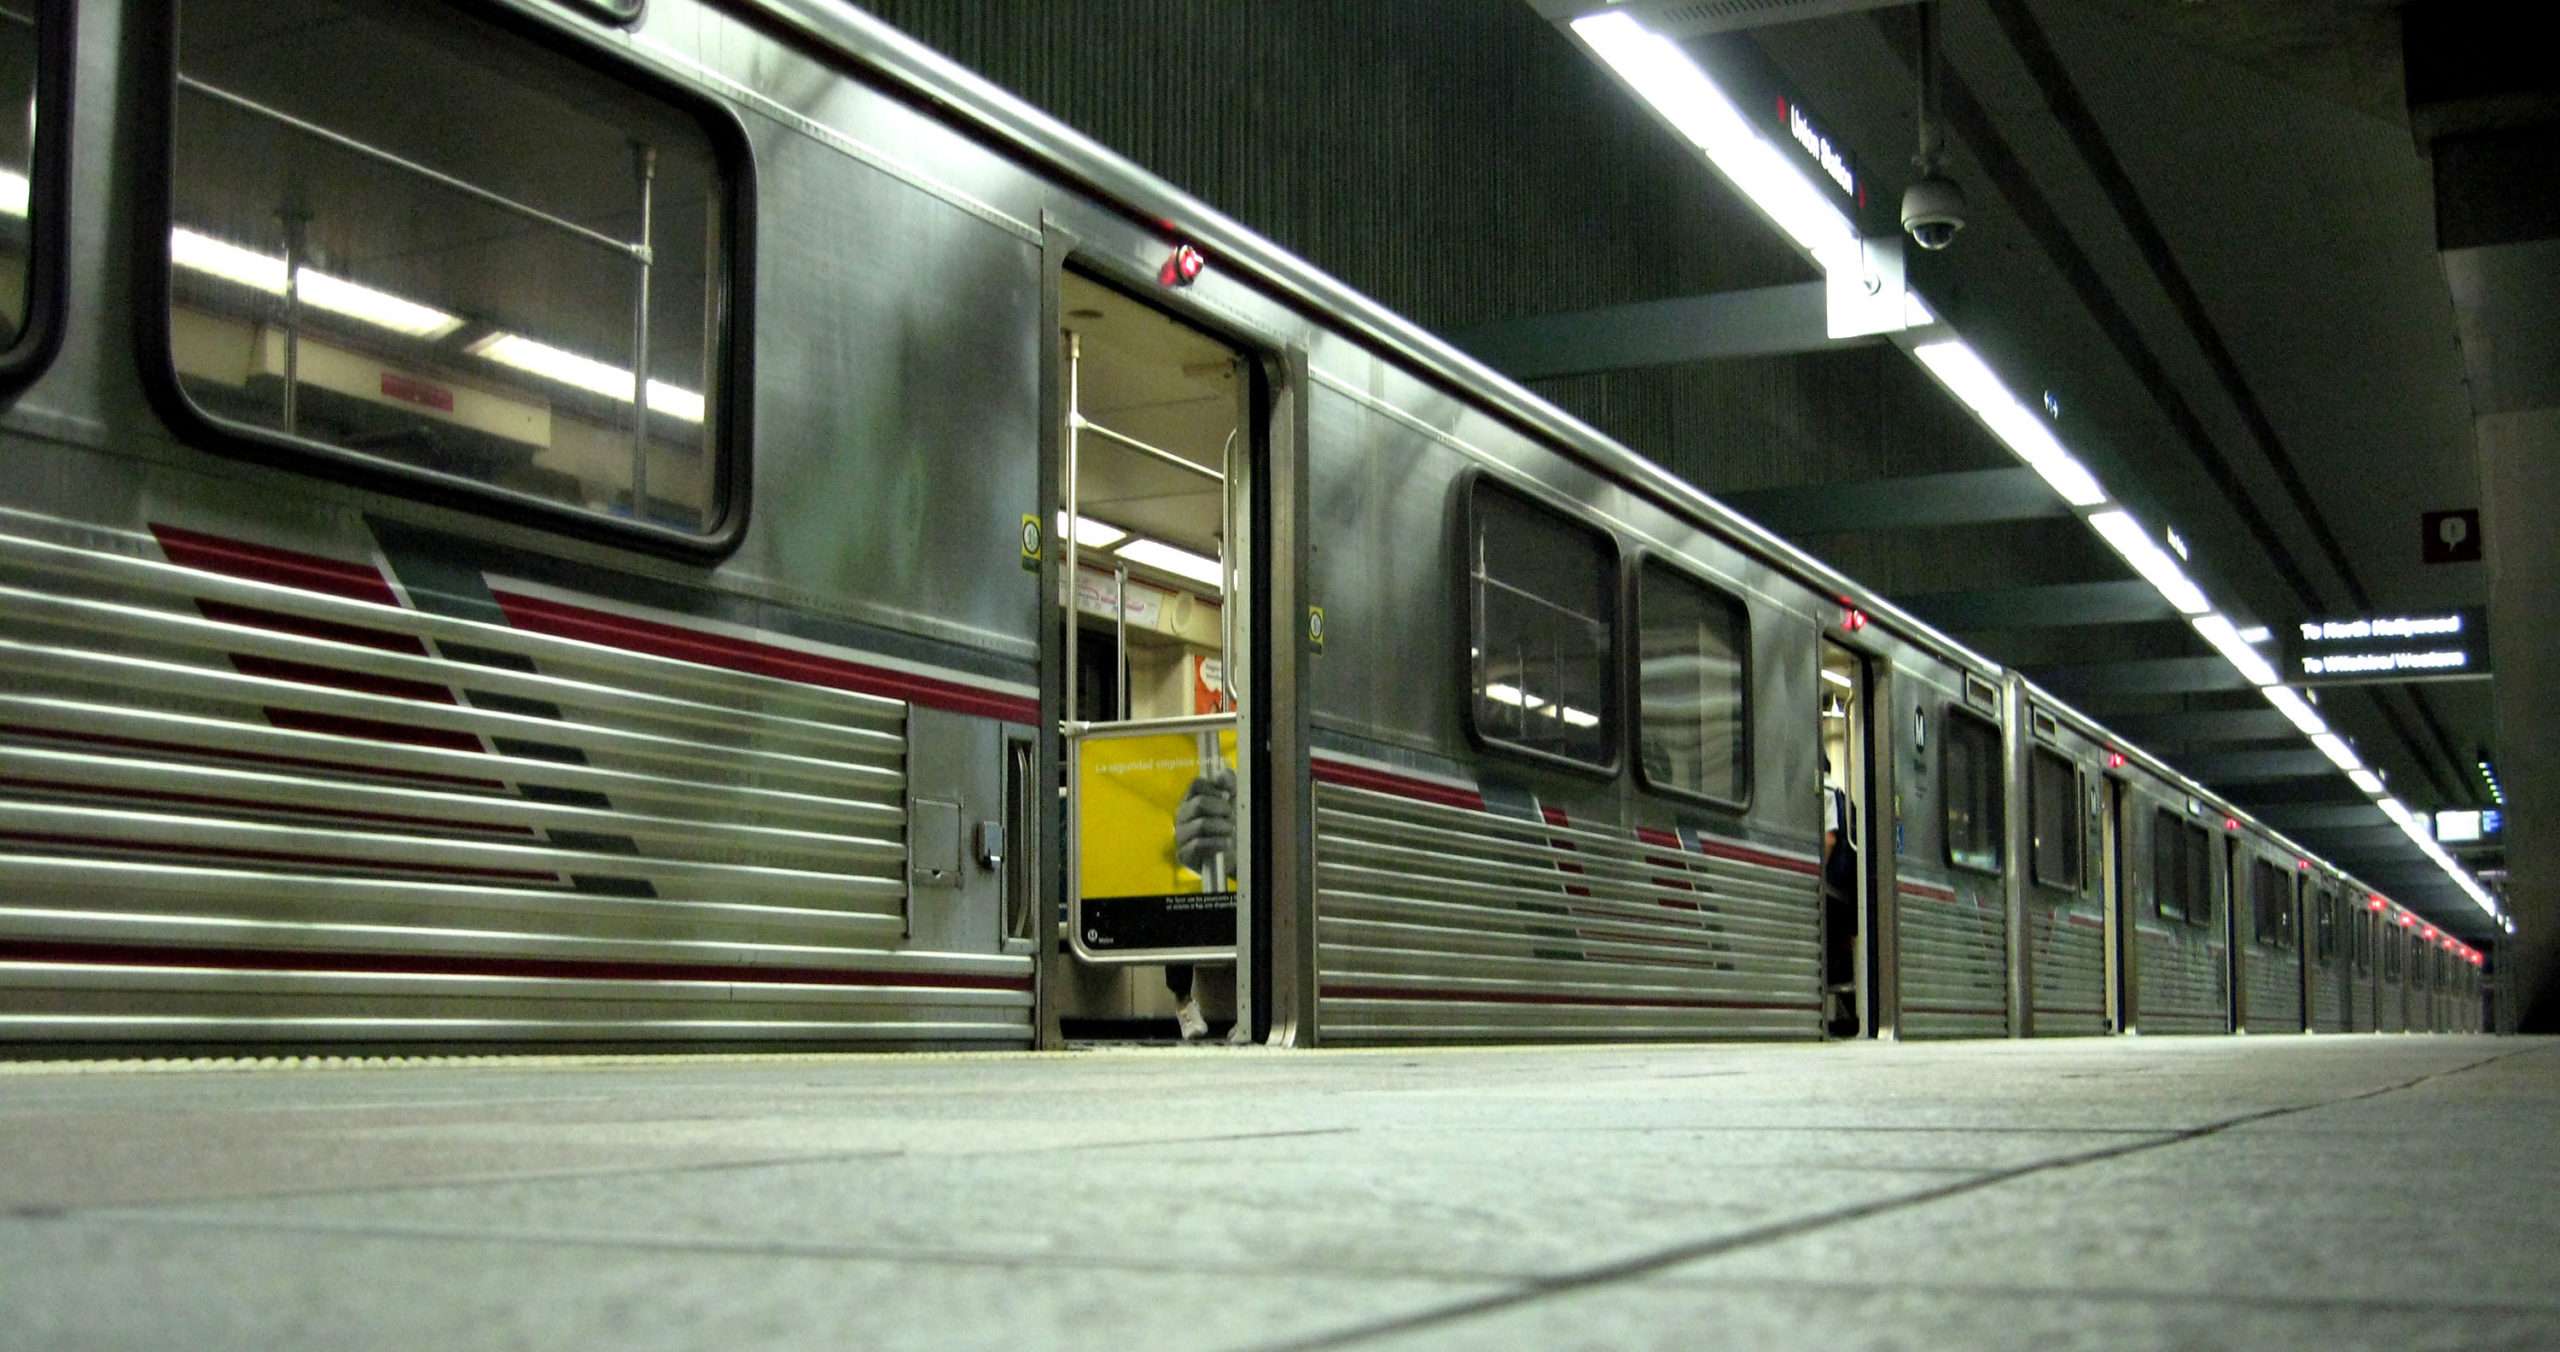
1160	423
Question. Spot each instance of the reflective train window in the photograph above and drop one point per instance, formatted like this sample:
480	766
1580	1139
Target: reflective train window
1542	587
2053	793
423	241
1971	761
2270	904
2324	927
2181	869
17	162
1692	687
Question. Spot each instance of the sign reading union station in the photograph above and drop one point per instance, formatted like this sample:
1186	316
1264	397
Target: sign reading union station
2443	646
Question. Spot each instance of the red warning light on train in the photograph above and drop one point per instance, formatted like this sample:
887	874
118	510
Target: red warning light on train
1183	266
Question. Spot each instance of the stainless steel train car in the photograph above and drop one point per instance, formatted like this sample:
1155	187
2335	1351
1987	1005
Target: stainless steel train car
550	523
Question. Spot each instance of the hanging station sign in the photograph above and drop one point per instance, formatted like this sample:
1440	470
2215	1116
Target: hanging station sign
2447	645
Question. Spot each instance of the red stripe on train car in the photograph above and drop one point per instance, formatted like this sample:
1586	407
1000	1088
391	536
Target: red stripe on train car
277	857
407	964
1380	781
261	805
374	730
1544	998
1924	890
1724	850
562	620
251	617
250	757
266	563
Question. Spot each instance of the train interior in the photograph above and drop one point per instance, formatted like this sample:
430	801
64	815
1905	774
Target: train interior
1157	424
1848	919
17	151
389	285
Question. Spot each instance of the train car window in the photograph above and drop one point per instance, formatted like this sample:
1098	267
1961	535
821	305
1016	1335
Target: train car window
2270	904
2053	795
429	247
2181	869
2391	954
1693	657
2324	927
1542	648
34	144
1970	759
17	165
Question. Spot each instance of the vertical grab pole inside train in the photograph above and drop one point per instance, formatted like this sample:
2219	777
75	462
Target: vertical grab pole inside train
297	224
1227	573
1120	630
644	167
1075	433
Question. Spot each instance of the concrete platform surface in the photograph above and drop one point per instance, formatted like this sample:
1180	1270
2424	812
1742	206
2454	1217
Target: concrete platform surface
2332	1192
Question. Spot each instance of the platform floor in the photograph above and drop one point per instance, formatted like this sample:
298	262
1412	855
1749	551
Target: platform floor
2333	1192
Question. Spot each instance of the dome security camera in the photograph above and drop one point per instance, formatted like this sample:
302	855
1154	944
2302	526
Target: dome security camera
1933	211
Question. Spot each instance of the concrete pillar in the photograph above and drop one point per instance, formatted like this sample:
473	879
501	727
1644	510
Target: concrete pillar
2520	523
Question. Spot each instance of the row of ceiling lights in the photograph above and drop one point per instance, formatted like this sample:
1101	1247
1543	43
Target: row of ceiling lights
1682	94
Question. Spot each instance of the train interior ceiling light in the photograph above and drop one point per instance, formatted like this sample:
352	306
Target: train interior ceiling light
1679	91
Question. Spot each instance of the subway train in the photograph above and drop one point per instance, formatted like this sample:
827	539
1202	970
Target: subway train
574	525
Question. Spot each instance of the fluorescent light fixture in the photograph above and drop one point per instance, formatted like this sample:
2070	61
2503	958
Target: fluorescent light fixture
1837	679
2226	641
1579	719
1092	534
13	193
230	262
2336	749
1163	557
1956	366
2399	815
2256	633
322	291
319	290
2119	529
1512	695
1916	312
586	373
2366	780
1663	76
2290	703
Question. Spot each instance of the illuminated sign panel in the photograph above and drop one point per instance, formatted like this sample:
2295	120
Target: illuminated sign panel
1818	147
2437	646
2461	827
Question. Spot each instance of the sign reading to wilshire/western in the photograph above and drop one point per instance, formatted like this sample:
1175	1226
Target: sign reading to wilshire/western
2445	645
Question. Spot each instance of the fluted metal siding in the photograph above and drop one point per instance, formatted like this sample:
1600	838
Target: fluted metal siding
1440	923
2275	990
2328	997
2184	981
246	812
1953	962
2068	967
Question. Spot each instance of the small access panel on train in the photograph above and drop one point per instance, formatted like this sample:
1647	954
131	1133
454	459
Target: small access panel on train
1151	530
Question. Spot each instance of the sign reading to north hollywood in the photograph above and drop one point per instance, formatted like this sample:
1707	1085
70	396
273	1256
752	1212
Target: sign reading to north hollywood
2448	645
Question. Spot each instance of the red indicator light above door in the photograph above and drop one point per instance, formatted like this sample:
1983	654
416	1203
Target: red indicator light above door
1182	267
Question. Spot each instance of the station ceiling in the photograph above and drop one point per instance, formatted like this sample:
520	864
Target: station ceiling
2206	234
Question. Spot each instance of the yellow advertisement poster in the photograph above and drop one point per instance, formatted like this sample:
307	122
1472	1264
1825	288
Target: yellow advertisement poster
1127	792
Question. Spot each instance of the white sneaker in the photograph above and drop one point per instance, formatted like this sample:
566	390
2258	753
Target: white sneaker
1194	1027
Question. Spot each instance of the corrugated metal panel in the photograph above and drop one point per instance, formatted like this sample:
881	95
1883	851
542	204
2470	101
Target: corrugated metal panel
242	811
2328	999
1444	923
2069	970
2275	990
1953	963
2183	980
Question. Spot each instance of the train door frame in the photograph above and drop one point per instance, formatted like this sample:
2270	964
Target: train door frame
1275	855
2123	989
2235	954
1867	780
